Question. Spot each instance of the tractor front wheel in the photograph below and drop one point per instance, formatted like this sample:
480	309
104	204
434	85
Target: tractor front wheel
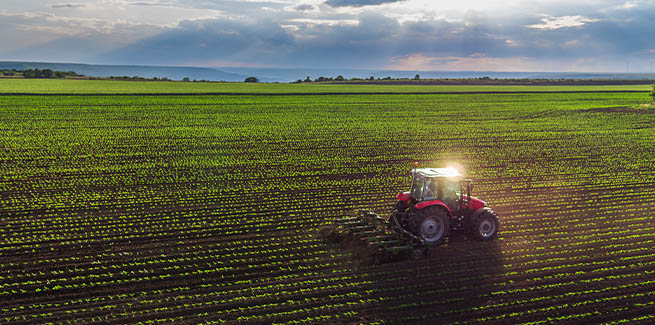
432	224
484	227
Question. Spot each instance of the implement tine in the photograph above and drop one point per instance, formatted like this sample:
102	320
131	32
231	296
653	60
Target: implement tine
347	220
387	243
367	234
354	224
377	238
360	229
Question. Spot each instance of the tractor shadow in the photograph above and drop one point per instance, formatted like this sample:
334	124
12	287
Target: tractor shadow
449	285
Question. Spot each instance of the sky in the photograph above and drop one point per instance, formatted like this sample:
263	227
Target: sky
472	35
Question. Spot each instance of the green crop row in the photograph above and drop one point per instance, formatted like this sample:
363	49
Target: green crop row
206	208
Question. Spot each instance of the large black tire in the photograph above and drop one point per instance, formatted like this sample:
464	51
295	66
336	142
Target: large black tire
432	224
483	227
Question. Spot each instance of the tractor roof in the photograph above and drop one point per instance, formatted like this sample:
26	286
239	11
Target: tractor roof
437	172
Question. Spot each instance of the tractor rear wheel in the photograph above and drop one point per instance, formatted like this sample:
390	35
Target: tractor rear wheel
484	227
432	224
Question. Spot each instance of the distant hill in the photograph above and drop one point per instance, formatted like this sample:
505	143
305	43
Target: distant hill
95	70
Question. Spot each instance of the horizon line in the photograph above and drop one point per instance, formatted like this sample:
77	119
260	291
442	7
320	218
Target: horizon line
328	68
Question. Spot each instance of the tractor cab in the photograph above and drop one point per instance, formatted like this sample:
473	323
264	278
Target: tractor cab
443	184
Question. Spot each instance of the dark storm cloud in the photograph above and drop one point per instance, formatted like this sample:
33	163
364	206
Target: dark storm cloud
357	3
304	7
322	44
264	43
624	32
616	34
205	40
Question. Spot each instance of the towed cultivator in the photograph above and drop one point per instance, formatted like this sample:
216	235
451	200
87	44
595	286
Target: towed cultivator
386	236
439	200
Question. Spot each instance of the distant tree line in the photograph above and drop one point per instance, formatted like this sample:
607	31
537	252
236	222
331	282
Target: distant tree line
127	78
48	74
321	79
341	78
37	73
9	73
138	78
372	78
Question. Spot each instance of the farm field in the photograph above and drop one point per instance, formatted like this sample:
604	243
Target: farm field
205	208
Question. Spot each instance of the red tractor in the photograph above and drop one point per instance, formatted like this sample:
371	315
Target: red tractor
439	200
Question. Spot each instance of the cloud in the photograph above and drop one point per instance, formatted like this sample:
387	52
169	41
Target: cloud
59	25
368	41
477	61
334	33
51	23
329	22
264	42
571	43
305	7
67	5
142	3
40	36
357	3
633	4
64	49
552	23
220	39
510	42
153	3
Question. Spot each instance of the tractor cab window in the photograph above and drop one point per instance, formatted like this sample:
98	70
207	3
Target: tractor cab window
431	190
451	191
417	188
451	194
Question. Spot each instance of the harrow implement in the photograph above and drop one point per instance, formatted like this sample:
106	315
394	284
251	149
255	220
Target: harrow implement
384	236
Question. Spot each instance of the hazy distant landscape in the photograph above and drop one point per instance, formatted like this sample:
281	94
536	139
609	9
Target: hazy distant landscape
238	74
